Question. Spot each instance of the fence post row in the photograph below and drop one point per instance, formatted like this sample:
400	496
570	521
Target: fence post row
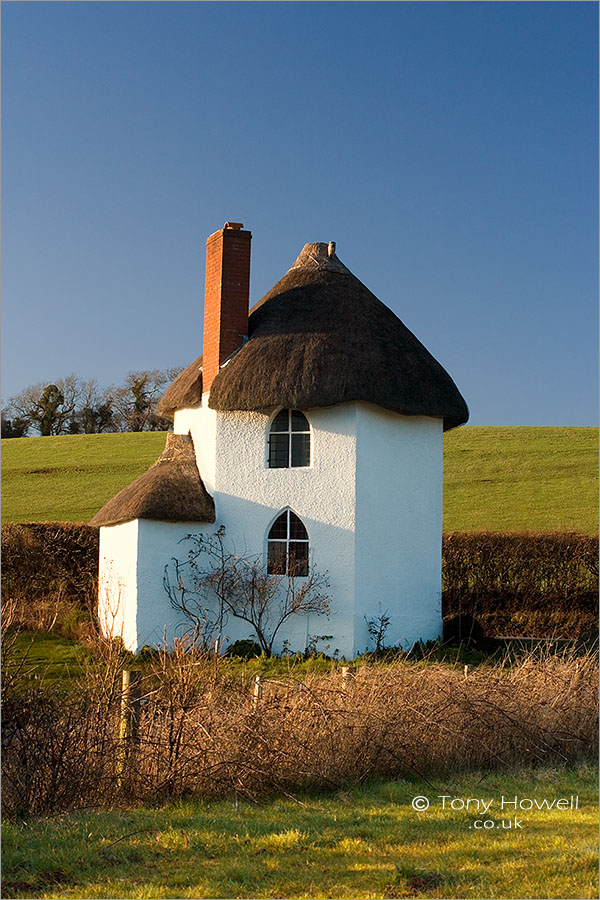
258	690
129	726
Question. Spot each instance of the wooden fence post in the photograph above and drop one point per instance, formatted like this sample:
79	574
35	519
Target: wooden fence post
347	674
257	694
129	726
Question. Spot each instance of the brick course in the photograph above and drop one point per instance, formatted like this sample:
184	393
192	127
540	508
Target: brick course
226	297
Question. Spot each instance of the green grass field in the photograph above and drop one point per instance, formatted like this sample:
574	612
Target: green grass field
47	660
68	478
521	479
495	479
366	842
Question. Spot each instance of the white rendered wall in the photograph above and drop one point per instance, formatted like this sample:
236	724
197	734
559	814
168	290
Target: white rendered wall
117	582
133	604
249	495
399	525
371	501
159	542
201	423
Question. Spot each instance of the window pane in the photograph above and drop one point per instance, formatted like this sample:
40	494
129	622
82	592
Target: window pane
279	528
279	445
276	564
300	449
297	529
298	558
281	422
299	421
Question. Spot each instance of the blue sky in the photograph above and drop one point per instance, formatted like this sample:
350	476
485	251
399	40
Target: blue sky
450	149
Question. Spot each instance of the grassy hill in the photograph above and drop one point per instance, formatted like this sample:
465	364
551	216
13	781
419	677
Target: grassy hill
521	479
495	479
68	478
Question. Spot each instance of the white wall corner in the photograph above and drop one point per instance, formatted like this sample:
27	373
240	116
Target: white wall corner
117	582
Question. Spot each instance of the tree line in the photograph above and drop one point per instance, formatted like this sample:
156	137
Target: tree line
72	405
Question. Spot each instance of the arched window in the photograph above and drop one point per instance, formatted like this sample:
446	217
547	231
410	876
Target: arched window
289	440
287	546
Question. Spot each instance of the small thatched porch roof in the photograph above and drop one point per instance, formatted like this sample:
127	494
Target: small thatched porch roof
171	490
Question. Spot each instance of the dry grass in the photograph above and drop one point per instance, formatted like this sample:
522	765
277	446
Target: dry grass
202	734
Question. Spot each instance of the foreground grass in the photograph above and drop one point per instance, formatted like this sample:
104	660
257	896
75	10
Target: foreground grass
366	842
496	479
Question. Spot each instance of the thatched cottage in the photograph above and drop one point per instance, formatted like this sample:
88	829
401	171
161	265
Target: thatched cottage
312	430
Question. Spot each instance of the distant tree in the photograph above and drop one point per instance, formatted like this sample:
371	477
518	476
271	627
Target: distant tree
48	408
73	406
95	413
12	428
134	403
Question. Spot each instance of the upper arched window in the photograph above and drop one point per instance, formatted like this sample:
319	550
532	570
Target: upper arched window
289	440
287	544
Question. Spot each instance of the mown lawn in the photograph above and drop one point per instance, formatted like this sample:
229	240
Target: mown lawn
495	479
366	842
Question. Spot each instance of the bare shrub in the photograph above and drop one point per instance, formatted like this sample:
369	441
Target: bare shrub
59	749
212	583
202	733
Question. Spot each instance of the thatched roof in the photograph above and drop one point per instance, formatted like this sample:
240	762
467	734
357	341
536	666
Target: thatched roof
171	490
320	337
185	391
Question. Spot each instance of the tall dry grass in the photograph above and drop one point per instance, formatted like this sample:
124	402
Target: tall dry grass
202	733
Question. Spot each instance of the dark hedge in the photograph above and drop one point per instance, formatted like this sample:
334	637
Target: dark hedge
534	585
50	558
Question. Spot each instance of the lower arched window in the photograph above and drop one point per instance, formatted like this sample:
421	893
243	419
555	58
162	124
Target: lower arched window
287	544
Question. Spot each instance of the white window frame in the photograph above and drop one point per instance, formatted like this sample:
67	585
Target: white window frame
289	432
287	540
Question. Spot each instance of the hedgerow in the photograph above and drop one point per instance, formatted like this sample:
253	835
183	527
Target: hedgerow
204	731
535	585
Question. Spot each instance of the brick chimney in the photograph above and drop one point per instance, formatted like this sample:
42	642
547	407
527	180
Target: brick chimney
226	296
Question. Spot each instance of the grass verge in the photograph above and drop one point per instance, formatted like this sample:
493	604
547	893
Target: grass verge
365	842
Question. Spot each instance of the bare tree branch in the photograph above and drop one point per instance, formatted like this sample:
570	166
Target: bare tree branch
212	583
